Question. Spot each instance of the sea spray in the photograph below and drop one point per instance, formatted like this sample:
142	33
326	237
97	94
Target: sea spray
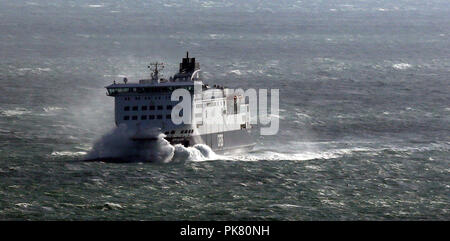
119	144
198	152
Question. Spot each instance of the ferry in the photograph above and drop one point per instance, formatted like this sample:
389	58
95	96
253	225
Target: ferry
219	118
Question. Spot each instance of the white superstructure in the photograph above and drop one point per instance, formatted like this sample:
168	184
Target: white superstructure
219	118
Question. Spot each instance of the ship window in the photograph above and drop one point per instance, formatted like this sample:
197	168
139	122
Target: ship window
144	117
172	132
127	108
168	117
159	117
126	117
137	98
160	107
166	133
152	107
151	117
182	131
144	107
134	117
135	108
169	107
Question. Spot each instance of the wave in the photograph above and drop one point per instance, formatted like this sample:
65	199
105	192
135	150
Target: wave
52	108
22	71
270	155
96	5
278	156
68	153
118	144
401	66
236	72
14	112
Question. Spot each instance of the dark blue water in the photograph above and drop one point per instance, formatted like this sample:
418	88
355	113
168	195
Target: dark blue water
364	120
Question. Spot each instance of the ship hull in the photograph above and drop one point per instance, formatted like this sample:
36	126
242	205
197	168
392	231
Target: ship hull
235	140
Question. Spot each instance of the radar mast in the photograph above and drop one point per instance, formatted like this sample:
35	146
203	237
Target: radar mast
155	74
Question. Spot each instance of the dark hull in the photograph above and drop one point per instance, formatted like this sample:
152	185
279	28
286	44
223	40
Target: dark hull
230	140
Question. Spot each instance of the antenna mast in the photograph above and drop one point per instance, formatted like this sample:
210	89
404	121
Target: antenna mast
155	74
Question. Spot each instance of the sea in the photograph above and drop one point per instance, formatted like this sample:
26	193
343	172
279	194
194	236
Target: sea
364	109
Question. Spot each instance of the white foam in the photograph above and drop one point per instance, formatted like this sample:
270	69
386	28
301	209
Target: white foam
198	152
284	206
217	36
15	112
83	35
117	144
299	156
96	5
401	66
236	71
68	153
33	70
52	108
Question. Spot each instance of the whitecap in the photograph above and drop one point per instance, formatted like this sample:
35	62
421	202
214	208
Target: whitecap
312	167
109	205
37	70
96	5
299	156
217	36
401	66
15	112
236	71
83	35
68	153
24	205
52	108
284	206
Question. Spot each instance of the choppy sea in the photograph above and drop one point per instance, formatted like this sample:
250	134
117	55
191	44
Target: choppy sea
364	109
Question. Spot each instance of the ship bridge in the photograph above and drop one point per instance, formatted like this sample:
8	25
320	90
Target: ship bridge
137	89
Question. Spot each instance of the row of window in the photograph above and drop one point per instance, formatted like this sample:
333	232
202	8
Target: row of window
144	107
169	89
148	97
181	132
145	117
